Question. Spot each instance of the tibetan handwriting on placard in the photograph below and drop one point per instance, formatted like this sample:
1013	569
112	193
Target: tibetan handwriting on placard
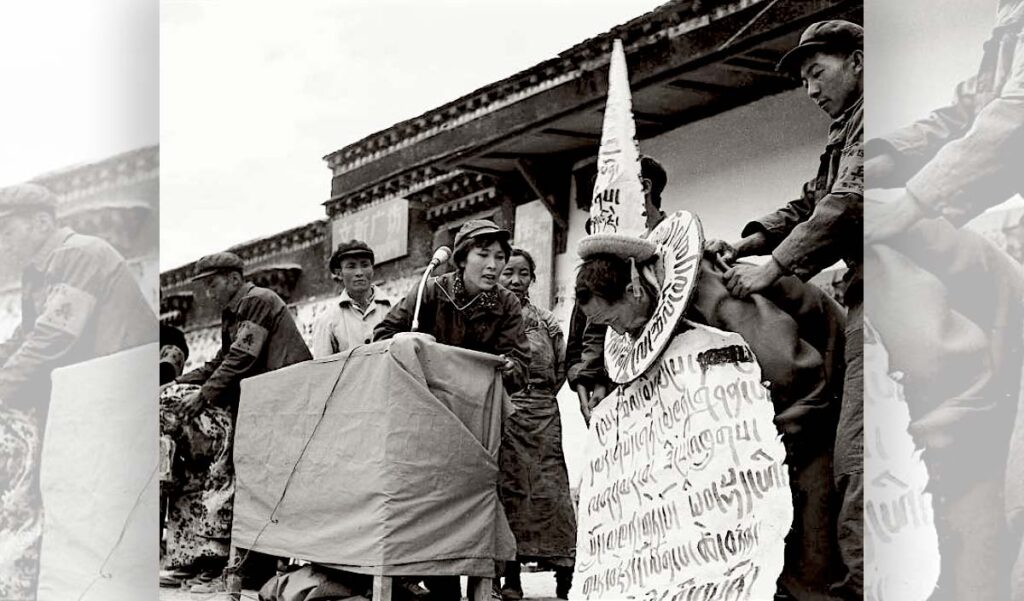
685	489
900	531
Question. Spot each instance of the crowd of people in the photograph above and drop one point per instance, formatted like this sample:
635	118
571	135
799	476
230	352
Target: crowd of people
808	347
945	302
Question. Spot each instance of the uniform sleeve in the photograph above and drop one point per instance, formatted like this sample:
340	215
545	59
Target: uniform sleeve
399	318
834	223
512	343
914	145
963	159
324	342
71	286
814	244
776	226
202	373
256	320
980	169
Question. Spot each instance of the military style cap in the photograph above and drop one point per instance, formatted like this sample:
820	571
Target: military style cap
352	248
479	227
823	35
20	197
217	263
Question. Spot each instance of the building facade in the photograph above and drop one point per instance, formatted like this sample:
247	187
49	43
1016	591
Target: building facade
737	139
116	199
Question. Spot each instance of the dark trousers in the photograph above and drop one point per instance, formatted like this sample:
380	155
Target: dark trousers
848	465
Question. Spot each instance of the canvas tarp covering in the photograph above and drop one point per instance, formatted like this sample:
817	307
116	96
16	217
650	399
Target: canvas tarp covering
399	472
99	481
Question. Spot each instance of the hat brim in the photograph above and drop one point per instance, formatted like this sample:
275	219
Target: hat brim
619	245
791	62
205	274
504	235
335	263
212	272
679	240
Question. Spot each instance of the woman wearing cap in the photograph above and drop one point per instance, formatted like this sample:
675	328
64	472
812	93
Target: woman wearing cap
534	480
468	309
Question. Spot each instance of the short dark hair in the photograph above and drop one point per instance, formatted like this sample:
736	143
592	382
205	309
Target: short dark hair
519	252
652	170
172	336
605	276
481	241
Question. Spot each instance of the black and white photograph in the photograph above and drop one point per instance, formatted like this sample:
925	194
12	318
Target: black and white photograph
79	294
512	300
590	300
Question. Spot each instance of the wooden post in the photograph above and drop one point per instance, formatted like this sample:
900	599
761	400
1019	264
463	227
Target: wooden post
479	589
382	586
232	578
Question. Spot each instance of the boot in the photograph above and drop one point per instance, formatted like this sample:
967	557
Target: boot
513	589
563	582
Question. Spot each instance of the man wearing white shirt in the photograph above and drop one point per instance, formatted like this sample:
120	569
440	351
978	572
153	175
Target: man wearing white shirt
349	320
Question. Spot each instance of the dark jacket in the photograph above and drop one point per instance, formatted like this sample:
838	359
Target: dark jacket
966	157
826	223
79	301
584	352
493	323
258	334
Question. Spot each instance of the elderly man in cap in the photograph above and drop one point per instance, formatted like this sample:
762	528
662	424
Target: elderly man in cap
349	320
79	302
960	347
811	233
258	335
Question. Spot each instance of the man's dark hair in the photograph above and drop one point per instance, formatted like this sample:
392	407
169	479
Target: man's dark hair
482	241
518	252
652	170
604	276
169	335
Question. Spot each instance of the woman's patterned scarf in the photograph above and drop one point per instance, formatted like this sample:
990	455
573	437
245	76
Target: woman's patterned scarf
462	300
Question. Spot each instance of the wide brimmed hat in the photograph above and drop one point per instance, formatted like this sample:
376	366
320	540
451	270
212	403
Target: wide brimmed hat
669	260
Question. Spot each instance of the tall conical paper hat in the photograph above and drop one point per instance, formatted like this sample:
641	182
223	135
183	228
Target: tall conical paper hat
668	257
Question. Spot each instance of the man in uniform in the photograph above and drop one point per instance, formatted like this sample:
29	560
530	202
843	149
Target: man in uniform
79	302
962	390
349	321
258	335
813	232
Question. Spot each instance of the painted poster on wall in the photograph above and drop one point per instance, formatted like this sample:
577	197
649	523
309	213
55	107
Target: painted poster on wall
384	226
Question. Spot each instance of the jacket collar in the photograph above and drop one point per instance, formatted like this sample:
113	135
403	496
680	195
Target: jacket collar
57	238
344	299
237	298
452	291
837	132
